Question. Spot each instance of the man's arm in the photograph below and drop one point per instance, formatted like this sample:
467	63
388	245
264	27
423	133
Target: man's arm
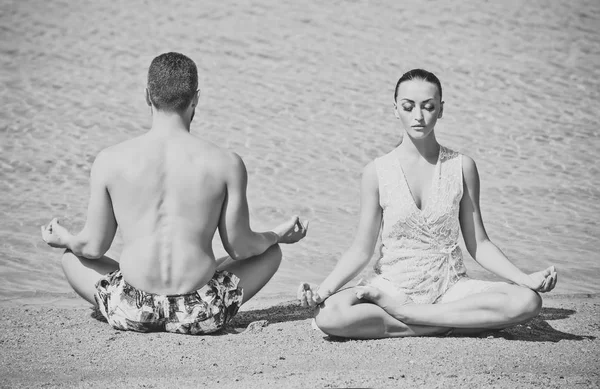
238	239
97	235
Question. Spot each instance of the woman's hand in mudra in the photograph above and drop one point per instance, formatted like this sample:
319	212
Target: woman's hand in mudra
310	296
542	281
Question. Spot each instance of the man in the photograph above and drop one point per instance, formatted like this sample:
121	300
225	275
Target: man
169	191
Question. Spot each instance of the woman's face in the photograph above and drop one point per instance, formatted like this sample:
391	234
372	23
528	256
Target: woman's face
418	106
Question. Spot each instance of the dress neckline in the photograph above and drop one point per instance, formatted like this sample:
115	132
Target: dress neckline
432	188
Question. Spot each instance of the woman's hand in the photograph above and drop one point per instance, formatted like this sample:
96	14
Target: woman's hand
541	281
309	295
55	235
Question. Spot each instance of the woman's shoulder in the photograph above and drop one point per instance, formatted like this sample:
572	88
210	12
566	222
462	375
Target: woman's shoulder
383	166
384	161
449	153
390	154
467	164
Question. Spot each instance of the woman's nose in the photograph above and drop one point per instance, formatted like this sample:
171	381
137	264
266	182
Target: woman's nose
418	115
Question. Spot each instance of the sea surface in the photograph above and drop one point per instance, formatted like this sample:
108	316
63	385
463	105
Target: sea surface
303	91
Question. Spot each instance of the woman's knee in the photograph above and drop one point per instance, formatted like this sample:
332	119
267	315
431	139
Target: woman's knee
525	304
327	320
329	317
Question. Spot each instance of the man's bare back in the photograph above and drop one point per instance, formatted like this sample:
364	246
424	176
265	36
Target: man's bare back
169	191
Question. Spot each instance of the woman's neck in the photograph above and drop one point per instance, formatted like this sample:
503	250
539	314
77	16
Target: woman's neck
427	148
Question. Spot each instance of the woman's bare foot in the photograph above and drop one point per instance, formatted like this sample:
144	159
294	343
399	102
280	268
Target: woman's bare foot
391	303
378	297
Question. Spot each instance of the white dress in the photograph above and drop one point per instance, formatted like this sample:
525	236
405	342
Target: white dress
420	254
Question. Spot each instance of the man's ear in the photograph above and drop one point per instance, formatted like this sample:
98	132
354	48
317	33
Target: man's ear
148	101
441	110
196	98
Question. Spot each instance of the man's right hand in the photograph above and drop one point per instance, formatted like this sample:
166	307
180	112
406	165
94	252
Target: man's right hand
55	235
291	231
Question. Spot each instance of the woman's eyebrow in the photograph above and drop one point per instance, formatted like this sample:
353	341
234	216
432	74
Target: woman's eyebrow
410	101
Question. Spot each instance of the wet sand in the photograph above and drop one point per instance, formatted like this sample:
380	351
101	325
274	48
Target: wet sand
62	344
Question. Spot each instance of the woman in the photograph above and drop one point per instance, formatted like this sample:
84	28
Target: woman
420	195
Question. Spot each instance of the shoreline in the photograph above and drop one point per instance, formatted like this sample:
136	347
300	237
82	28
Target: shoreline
71	299
61	343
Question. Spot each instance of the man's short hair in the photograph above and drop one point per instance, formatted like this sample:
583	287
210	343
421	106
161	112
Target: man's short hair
172	82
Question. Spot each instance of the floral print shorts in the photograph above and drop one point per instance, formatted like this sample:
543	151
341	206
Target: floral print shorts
201	312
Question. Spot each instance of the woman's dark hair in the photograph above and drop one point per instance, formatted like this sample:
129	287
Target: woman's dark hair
172	82
418	74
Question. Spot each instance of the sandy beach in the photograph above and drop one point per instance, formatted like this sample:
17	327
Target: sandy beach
48	343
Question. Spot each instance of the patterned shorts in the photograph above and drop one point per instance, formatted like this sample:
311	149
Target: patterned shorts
201	312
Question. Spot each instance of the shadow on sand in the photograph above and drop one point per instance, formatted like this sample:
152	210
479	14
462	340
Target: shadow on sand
280	313
535	330
538	329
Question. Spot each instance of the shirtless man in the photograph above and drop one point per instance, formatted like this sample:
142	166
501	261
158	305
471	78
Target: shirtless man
169	191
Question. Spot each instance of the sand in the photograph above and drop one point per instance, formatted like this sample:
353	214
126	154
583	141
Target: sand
62	343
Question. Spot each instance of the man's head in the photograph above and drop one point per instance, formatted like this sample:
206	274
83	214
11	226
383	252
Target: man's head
172	83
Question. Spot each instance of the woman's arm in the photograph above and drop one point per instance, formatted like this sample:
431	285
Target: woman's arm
481	248
361	250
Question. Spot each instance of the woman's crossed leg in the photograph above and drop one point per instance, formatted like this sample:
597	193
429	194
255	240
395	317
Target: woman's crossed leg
380	315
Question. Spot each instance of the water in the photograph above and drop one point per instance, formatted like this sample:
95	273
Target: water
304	93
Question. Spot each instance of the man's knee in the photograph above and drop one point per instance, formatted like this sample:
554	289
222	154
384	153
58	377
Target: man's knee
274	254
274	250
69	260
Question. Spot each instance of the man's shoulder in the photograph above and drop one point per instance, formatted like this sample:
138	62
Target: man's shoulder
119	148
208	151
231	162
109	155
113	156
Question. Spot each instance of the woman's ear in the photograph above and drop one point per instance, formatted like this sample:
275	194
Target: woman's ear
441	113
396	111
